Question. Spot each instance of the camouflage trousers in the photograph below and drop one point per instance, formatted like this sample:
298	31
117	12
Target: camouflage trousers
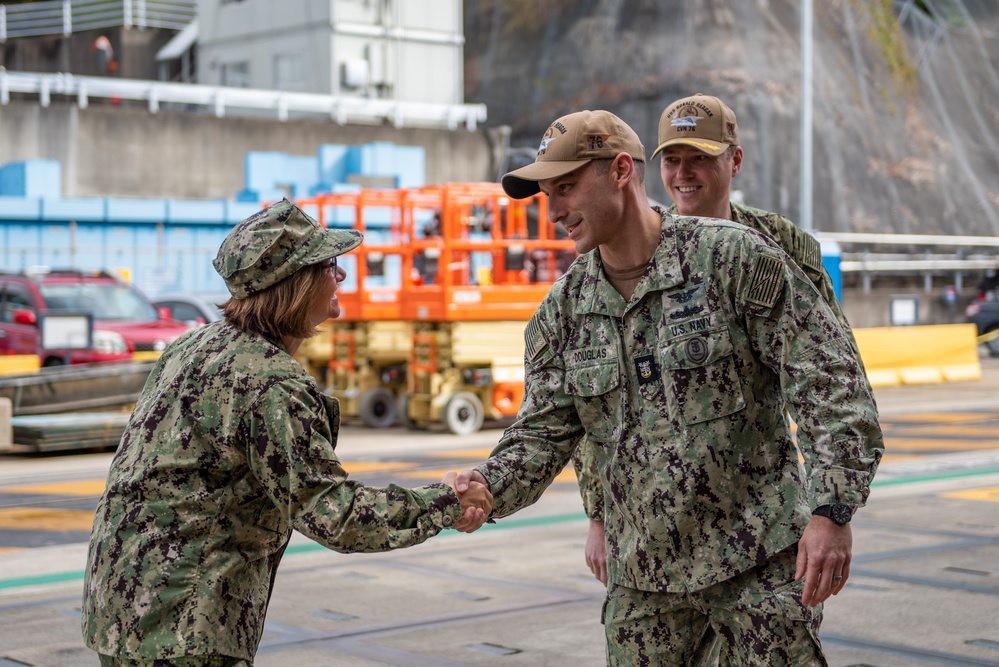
186	661
755	618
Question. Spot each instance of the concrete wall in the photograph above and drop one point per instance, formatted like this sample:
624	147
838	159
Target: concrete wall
124	150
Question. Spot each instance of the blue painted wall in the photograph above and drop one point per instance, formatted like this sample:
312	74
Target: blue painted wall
831	256
166	245
31	178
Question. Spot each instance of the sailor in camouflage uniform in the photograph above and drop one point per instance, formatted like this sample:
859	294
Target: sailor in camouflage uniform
699	141
680	385
231	447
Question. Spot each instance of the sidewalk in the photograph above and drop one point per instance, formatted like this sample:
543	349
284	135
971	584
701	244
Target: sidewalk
944	396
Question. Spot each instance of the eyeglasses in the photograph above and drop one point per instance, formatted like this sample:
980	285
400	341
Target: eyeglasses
333	264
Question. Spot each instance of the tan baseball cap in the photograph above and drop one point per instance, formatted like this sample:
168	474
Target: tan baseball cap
571	142
701	121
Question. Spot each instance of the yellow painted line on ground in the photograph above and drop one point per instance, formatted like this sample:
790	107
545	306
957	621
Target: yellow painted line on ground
952	417
25	518
478	454
567	475
426	473
95	487
933	445
86	487
990	495
966	430
375	466
889	458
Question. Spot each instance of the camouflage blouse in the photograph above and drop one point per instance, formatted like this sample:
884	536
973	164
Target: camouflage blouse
229	448
806	252
681	394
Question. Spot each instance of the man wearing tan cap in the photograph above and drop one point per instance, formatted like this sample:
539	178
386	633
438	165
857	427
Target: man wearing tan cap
699	143
674	346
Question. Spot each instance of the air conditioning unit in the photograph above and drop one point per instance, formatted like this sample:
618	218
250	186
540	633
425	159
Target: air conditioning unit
354	73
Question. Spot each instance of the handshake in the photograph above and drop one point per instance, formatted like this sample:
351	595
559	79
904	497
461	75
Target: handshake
474	496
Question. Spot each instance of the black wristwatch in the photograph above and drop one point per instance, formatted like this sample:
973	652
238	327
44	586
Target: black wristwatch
838	512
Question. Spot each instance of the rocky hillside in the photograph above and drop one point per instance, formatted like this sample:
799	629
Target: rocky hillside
906	94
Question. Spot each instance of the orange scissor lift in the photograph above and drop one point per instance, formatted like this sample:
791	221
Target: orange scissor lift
444	342
493	269
365	351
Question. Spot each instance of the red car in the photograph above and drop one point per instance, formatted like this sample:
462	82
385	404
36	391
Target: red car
126	325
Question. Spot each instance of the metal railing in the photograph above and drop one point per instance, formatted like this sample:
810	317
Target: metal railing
63	17
218	99
861	260
867	238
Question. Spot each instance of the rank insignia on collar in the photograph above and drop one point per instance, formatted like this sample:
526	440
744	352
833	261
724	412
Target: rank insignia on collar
645	366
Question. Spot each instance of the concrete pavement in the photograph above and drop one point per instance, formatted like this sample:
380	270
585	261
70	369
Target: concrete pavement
924	588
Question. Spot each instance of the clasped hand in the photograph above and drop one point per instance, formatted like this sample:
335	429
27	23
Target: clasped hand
475	498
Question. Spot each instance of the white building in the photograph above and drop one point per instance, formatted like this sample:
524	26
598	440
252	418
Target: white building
403	50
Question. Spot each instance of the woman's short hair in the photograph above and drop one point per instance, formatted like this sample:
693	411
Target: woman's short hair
282	309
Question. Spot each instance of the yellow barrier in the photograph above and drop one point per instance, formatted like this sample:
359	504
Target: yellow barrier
919	354
16	364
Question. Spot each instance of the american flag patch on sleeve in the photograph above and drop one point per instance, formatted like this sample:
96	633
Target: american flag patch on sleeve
534	339
810	253
767	281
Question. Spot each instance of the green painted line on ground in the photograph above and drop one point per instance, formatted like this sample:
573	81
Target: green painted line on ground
935	477
506	524
536	521
503	524
42	579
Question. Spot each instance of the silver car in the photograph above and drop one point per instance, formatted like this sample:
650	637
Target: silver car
193	308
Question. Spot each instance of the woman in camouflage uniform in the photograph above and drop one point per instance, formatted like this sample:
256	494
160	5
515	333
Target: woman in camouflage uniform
229	448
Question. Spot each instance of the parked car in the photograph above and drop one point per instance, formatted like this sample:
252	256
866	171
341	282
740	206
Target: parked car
983	312
192	308
126	324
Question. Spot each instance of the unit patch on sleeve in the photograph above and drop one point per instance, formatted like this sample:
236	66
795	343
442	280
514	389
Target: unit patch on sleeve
768	280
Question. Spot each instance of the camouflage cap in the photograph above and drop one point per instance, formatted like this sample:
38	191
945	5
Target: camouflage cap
569	143
701	121
273	243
